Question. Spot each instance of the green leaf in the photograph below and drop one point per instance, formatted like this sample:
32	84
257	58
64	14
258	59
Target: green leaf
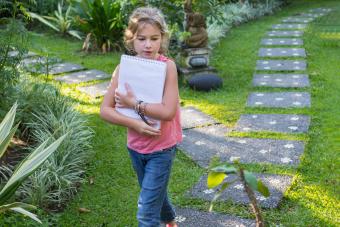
263	189
7	122
215	179
74	34
251	180
20	208
27	213
6	207
27	166
218	194
4	144
43	20
224	169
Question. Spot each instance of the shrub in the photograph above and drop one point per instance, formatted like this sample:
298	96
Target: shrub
26	167
13	37
60	22
57	180
102	21
227	15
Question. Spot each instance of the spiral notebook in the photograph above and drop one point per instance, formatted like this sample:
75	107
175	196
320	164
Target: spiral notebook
146	78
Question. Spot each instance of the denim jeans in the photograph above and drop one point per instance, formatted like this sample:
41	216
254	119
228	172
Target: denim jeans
153	172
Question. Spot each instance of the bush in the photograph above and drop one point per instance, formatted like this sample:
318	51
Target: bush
102	21
61	22
13	37
227	15
59	177
24	169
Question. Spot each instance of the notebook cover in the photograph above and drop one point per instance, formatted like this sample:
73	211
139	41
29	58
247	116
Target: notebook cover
146	78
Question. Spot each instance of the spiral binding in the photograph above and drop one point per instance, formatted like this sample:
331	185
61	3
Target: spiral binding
143	59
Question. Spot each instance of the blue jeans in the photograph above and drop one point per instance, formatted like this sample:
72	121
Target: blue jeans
153	172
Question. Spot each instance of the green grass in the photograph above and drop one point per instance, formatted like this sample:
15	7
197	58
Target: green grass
313	198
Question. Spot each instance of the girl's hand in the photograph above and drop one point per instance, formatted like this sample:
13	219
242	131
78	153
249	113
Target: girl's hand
144	129
125	101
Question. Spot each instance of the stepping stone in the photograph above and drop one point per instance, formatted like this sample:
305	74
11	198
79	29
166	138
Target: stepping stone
26	55
297	20
64	68
280	80
282	41
191	117
30	62
286	123
320	10
202	144
37	65
194	218
289	26
313	15
277	185
83	76
282	52
279	99
281	65
285	33
95	90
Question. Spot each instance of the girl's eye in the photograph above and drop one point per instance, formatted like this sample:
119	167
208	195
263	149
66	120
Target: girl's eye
141	39
154	39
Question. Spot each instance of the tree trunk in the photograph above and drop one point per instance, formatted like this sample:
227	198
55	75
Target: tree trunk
253	202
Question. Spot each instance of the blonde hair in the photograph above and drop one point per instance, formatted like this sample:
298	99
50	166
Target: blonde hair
141	16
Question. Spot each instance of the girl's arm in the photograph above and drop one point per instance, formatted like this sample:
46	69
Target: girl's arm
165	110
109	113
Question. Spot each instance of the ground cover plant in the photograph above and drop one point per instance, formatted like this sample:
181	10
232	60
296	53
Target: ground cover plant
110	192
24	169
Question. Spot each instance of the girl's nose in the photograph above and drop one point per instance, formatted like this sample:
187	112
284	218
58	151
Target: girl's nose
147	43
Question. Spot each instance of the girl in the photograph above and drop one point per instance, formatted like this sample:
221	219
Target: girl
152	151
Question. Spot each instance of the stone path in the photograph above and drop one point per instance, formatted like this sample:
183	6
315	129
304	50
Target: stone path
282	52
192	117
277	185
279	99
289	26
83	76
281	65
202	142
205	138
285	33
96	90
193	218
281	80
282	42
286	123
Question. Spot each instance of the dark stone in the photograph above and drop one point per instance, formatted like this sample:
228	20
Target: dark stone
198	61
205	82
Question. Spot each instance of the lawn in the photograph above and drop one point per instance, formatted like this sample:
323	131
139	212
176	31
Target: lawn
111	192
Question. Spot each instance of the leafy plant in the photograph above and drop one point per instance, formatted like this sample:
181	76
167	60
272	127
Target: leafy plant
13	37
102	21
52	185
220	20
217	175
61	22
26	167
12	9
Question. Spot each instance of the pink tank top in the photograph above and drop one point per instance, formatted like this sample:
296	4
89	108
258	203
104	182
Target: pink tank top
171	133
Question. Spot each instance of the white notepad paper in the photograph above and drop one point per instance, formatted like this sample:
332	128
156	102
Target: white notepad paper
146	78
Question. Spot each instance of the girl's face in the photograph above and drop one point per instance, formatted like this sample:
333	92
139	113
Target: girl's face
148	41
